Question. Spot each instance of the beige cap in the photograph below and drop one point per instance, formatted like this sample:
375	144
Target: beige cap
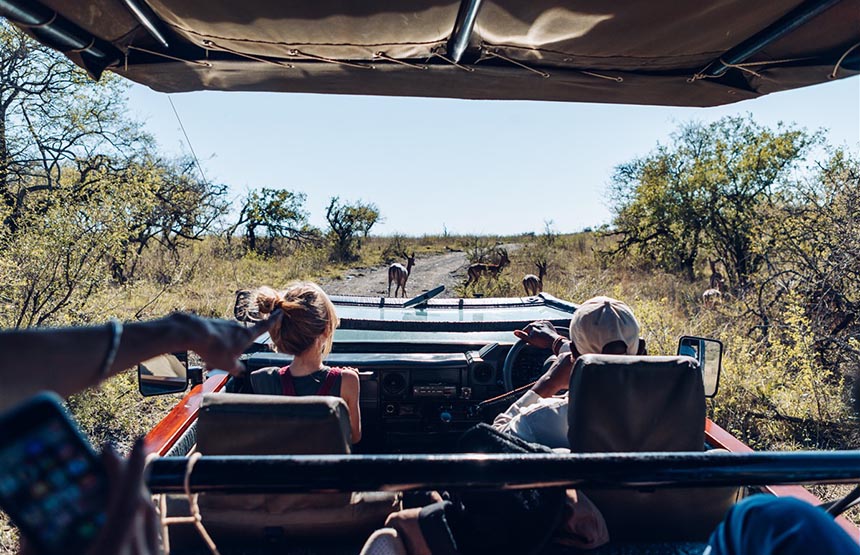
600	321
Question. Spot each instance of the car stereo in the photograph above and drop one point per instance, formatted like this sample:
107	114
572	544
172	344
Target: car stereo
434	390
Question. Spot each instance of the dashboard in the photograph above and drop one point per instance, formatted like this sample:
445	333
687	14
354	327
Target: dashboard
419	401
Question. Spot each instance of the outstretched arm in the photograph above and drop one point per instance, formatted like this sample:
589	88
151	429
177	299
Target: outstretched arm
543	335
68	360
557	377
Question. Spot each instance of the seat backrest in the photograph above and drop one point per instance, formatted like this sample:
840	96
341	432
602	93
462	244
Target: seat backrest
623	403
636	403
240	424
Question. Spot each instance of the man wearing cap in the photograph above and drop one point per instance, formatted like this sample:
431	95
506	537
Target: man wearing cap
600	325
760	524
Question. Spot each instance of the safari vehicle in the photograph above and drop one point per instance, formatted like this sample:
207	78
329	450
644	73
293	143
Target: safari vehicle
428	367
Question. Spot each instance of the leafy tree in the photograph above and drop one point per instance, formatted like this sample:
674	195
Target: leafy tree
349	224
81	192
57	127
279	213
660	212
167	204
57	258
706	191
815	227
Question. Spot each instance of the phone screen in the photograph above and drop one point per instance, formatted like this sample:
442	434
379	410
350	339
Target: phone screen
52	484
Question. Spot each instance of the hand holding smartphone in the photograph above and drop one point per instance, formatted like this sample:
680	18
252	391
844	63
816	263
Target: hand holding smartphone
52	483
61	494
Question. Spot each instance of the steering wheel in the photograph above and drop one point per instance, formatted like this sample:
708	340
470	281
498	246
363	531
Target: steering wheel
508	366
512	357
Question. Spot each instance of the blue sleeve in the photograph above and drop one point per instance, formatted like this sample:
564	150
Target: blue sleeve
768	525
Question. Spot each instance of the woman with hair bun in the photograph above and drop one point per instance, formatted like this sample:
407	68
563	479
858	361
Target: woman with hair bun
305	330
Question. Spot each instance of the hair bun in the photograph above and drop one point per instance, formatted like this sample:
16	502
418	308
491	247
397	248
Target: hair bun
268	300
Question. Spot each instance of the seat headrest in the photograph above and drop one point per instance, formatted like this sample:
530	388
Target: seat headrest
239	424
621	403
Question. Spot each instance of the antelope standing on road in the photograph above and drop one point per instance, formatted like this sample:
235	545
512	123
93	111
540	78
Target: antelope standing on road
399	274
477	270
533	284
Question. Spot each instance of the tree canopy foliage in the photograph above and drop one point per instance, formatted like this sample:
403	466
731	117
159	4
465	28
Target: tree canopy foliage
83	192
349	224
786	229
279	213
815	231
705	193
85	195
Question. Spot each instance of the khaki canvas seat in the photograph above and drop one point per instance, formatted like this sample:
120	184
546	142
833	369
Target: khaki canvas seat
238	424
641	404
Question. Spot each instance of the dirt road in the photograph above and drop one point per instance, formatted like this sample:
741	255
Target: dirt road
447	269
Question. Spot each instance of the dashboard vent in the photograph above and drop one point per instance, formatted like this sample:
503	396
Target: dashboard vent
394	383
482	373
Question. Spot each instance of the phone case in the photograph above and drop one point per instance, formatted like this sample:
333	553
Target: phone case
52	484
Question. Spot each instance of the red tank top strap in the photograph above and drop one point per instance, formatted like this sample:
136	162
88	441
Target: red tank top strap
333	375
287	387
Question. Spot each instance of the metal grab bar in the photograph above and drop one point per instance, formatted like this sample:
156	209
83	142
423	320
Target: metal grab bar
329	473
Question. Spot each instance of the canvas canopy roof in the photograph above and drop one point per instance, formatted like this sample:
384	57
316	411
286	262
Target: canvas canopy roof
663	52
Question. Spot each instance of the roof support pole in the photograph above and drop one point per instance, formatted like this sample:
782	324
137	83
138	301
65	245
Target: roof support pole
147	18
760	40
61	34
463	28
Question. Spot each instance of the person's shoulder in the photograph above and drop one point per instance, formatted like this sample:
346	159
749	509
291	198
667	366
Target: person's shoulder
267	371
266	381
349	379
349	375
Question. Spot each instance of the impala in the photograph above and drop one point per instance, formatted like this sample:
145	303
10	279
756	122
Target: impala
398	274
477	270
533	284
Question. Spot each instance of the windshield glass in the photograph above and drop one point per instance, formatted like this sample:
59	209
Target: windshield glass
351	315
438	337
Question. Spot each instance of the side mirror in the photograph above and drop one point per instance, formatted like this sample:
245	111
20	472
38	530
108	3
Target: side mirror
709	353
245	309
167	373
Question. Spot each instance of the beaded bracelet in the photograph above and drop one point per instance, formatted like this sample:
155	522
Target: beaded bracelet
113	348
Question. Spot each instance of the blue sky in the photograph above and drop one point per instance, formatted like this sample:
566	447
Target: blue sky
486	167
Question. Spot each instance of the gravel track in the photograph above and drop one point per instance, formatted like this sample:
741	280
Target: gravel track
448	269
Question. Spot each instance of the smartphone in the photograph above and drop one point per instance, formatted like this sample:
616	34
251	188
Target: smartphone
52	483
